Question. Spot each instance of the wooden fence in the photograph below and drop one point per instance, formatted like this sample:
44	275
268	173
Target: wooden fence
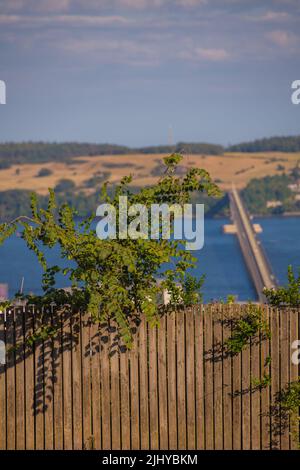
178	388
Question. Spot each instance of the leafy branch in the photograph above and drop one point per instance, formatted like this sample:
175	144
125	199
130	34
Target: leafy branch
115	278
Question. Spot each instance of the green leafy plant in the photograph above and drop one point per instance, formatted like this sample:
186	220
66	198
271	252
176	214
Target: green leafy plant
290	403
230	299
286	295
116	278
251	324
265	380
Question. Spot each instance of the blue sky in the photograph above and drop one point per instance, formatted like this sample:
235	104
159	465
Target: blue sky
123	71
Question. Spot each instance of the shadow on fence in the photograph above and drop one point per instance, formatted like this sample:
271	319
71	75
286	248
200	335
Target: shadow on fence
53	356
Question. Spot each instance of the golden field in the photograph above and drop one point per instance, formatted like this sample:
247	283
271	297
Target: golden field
237	168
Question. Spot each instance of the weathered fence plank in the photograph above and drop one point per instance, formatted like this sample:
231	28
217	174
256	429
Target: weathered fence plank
153	392
199	366
218	379
208	379
105	389
67	381
20	379
29	381
125	400
3	423
77	381
172	380
134	397
190	378
58	383
265	391
275	380
115	389
294	372
236	396
49	380
284	373
144	387
10	384
39	382
162	385
181	380
227	379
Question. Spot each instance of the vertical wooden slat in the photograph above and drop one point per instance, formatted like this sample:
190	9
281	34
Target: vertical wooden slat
115	391
20	379
153	392
294	374
77	382
162	385
208	380
67	381
144	390
125	400
227	378
275	380
96	385
236	389
49	397
2	387
134	396
39	382
58	381
29	381
181	380
86	382
105	389
246	396
284	370
190	379
255	395
218	383
199	378
265	392
11	384
172	384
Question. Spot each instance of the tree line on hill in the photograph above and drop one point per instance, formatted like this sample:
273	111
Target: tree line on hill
41	152
271	144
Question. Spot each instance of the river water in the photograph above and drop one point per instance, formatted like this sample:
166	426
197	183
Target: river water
220	260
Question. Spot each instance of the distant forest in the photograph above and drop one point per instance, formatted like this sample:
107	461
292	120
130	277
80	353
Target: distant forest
272	144
42	152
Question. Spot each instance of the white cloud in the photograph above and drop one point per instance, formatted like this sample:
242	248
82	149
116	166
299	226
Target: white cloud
271	16
42	6
204	54
281	38
191	3
110	50
214	55
72	20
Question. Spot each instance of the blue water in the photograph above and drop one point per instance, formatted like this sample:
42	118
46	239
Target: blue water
220	260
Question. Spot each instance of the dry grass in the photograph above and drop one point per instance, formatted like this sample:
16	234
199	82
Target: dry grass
237	168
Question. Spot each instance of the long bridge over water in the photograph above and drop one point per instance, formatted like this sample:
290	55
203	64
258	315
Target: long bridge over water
255	258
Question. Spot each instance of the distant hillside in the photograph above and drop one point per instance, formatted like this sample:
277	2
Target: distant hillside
185	147
272	144
42	152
